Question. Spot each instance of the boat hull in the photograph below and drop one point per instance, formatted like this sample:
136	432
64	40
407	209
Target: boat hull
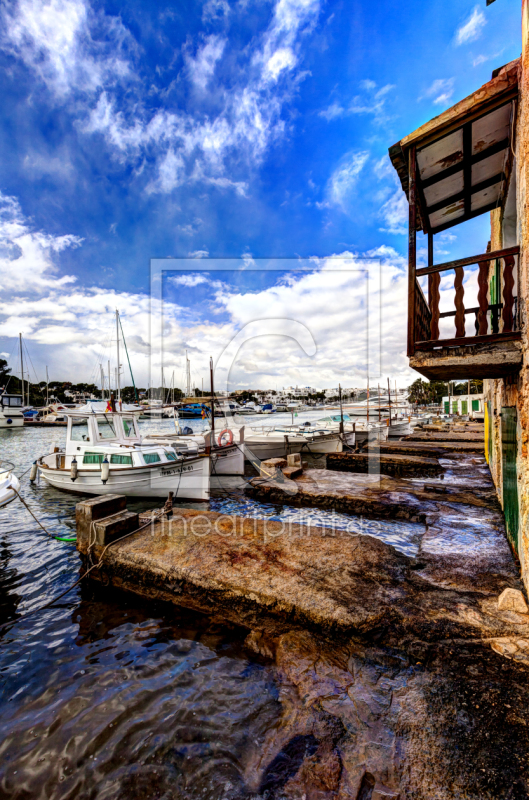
10	421
257	448
188	480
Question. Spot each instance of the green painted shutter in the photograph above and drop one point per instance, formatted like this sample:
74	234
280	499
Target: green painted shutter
488	433
454	406
510	482
447	407
464	406
475	405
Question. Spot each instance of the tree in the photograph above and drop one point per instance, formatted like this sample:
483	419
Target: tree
4	371
426	392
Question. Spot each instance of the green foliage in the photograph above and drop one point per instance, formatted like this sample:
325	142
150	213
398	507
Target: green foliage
427	392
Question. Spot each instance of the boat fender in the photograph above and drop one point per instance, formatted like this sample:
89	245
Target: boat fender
222	434
105	470
73	469
9	421
187	431
33	473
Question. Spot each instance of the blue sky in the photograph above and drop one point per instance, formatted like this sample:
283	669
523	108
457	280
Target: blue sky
228	128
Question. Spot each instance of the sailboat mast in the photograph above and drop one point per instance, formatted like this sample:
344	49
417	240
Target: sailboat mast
21	366
389	399
47	385
108	362
102	382
117	349
212	396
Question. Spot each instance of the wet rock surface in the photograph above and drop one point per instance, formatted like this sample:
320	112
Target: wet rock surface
397	677
395	465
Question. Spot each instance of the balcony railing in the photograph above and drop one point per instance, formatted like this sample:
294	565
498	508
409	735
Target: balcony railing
494	309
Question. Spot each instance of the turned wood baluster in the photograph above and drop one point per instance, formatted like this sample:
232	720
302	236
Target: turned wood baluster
458	302
435	296
508	299
483	283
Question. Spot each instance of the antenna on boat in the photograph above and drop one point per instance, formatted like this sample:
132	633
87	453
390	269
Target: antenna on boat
117	353
212	396
21	367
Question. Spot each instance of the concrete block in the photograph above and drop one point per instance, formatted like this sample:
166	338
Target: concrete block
294	460
292	472
107	530
512	600
270	467
95	509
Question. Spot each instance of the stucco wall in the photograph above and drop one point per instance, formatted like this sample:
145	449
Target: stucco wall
515	391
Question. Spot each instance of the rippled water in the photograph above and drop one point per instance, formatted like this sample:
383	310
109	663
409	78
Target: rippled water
107	695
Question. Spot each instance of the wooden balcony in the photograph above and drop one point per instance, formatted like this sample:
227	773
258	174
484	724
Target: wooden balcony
486	341
452	169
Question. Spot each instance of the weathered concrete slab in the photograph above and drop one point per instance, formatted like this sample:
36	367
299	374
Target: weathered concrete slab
437	449
314	578
367	495
448	436
395	464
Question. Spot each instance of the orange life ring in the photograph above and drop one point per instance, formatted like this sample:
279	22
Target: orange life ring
222	434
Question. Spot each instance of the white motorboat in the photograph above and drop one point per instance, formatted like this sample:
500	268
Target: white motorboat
261	443
227	456
11	414
356	431
249	408
318	439
105	454
9	484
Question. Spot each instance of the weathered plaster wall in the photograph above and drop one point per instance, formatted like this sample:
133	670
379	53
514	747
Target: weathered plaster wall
515	391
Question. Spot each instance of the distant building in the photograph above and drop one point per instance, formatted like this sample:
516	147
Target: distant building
463	404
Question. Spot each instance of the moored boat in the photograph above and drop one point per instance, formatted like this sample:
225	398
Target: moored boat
9	483
11	415
105	454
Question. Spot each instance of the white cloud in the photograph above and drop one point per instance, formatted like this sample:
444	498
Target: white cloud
471	29
334	111
373	102
201	68
440	91
199	254
26	255
67	326
214	9
394	212
343	180
55	40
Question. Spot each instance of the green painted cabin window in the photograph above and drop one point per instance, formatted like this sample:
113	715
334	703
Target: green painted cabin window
170	456
151	458
93	458
121	460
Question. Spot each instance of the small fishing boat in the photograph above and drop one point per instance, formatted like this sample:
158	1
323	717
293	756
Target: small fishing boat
318	439
11	414
105	454
265	442
227	455
9	483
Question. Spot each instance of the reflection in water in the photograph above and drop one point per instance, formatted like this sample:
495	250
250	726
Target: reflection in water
109	695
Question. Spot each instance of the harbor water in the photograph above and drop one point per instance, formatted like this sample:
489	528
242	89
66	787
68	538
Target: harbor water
104	694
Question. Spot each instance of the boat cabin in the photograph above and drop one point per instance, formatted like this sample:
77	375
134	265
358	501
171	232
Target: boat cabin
11	401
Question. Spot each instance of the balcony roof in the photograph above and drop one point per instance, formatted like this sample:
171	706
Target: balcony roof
464	155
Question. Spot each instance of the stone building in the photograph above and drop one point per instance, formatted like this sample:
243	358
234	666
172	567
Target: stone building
469	318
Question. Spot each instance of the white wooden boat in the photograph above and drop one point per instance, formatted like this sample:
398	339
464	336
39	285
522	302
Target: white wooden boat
9	484
227	456
317	439
105	454
261	443
11	414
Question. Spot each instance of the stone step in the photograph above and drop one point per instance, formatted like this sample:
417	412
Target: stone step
401	465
